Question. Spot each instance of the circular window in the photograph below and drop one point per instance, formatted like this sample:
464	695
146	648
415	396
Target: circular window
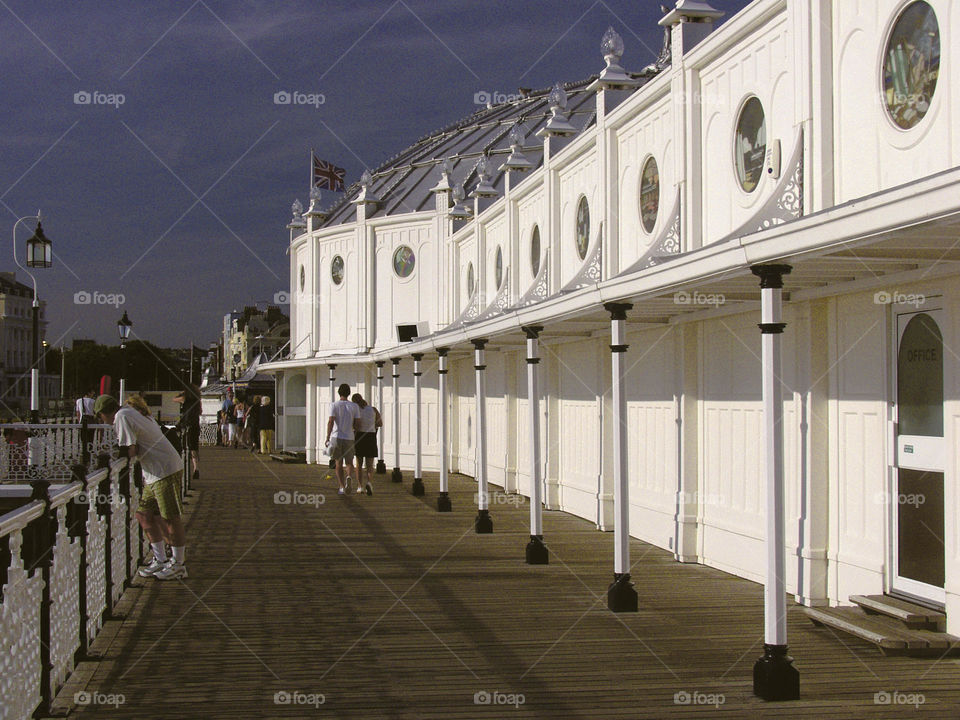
751	144
911	64
303	278
404	261
470	280
535	251
336	270
649	194
498	268
583	227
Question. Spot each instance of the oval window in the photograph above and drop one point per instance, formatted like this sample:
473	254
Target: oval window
303	278
535	251
583	227
470	280
404	261
751	144
498	268
649	194
336	270
911	64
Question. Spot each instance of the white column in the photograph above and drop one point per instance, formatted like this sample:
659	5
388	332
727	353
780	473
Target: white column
381	465
483	524
536	551
397	476
774	677
443	500
418	489
312	434
621	597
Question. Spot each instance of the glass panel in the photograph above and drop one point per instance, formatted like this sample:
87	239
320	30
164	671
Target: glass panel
470	280
303	278
649	194
920	378
911	65
583	228
498	268
751	144
535	251
920	526
404	261
336	270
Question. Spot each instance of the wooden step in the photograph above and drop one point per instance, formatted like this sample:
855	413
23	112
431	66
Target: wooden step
289	457
915	617
891	636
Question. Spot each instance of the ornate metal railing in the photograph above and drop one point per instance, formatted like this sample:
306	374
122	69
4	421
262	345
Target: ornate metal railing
52	449
67	552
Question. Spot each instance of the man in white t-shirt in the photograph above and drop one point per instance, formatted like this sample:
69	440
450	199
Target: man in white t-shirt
160	511
345	415
84	407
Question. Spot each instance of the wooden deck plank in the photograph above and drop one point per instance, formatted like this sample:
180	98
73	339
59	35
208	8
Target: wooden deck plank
392	610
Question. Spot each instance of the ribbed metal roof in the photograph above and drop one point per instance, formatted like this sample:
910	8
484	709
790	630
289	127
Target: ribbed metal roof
403	183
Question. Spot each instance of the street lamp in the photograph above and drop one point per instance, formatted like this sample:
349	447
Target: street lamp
39	255
123	329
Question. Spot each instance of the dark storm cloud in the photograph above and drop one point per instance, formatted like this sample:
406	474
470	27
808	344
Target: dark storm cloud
119	183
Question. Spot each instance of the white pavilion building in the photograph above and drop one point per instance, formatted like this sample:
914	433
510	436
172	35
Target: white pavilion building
614	229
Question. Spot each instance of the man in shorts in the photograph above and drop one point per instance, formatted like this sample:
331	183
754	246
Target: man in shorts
160	511
345	415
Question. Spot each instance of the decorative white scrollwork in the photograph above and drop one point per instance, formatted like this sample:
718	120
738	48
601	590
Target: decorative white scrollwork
590	271
65	602
540	290
500	302
665	246
49	451
20	635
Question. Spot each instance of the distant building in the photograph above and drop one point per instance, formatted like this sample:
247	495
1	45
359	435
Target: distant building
16	334
253	332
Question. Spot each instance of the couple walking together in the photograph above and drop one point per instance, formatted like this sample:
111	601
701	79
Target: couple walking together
352	430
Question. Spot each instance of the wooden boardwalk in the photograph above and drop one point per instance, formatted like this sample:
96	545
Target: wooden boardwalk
380	607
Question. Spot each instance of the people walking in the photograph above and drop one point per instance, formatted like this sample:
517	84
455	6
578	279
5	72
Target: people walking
366	444
344	415
252	428
239	417
229	420
160	512
267	423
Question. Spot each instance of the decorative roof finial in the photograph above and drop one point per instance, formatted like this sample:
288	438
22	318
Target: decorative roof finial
613	76
297	209
558	123
459	211
517	160
446	168
366	196
484	188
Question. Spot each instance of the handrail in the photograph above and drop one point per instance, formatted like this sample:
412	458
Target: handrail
53	426
62	494
18	519
97	476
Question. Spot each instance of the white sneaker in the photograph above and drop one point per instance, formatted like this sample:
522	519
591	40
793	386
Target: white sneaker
152	569
172	571
340	491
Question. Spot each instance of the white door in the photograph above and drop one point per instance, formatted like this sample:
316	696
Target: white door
917	499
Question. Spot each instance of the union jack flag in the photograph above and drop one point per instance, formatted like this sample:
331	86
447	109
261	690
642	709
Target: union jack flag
327	176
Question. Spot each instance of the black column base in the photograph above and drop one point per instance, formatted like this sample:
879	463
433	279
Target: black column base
418	489
396	476
621	597
381	467
537	552
483	524
774	676
443	503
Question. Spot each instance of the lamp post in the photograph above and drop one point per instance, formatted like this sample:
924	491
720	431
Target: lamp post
39	255
123	329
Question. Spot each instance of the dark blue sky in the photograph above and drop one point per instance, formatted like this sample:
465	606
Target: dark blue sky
177	198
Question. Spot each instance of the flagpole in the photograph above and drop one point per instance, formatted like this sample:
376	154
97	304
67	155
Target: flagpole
312	165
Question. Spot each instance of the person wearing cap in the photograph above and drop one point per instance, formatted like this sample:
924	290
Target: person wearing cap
160	512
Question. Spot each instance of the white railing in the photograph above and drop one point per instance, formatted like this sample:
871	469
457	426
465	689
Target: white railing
54	447
67	552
